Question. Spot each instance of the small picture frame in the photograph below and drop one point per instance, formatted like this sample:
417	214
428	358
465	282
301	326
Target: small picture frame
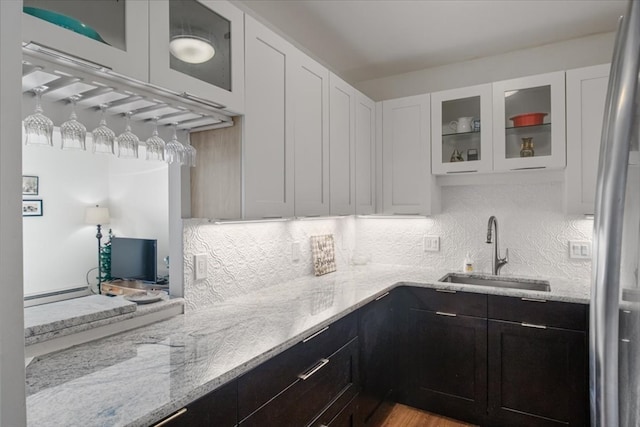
32	207
472	154
30	185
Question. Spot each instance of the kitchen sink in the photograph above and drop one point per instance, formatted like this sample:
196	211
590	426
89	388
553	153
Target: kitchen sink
497	281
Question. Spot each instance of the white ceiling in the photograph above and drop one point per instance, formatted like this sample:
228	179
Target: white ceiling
366	39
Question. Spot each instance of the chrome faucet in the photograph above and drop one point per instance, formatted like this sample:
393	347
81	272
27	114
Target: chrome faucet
496	262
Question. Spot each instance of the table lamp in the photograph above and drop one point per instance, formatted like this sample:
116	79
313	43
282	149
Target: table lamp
97	216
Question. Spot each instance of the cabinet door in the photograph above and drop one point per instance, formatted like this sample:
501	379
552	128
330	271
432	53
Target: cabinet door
122	26
586	93
218	408
446	364
408	187
311	93
218	23
365	155
461	130
537	376
377	371
343	101
268	141
522	140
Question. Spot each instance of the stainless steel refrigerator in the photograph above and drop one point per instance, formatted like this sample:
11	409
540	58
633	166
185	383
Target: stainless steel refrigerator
614	363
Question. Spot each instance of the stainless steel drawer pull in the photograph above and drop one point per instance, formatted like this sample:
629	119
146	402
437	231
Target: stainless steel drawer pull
310	337
171	418
313	370
446	291
382	296
442	313
533	299
625	340
531	325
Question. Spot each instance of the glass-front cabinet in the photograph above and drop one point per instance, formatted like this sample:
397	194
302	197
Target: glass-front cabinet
461	129
529	123
109	33
197	49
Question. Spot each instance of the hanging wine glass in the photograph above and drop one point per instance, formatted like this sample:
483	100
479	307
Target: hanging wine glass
38	128
128	142
174	150
103	137
73	132
155	144
190	156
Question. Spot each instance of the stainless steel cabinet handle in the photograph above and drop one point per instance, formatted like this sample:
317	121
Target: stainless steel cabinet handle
313	370
442	313
382	296
447	291
452	172
171	418
531	325
529	168
310	337
533	299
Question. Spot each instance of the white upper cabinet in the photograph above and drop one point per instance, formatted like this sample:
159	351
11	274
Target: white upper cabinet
461	130
586	94
112	34
311	135
269	126
342	143
408	187
219	28
365	155
529	123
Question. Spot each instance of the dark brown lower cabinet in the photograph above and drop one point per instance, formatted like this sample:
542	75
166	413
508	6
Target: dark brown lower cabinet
316	390
218	408
537	376
447	357
376	333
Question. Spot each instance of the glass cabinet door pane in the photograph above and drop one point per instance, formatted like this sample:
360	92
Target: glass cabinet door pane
461	130
100	20
528	122
209	59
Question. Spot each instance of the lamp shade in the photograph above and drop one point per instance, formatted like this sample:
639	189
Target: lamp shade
96	215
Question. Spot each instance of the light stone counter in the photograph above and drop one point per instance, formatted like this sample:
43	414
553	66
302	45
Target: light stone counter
143	375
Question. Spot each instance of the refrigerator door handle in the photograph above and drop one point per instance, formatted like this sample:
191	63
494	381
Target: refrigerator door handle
607	235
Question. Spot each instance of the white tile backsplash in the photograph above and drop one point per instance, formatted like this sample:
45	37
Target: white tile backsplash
248	256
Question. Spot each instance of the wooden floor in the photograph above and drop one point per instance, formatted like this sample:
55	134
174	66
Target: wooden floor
404	416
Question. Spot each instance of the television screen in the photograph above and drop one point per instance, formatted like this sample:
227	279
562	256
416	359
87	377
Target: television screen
134	259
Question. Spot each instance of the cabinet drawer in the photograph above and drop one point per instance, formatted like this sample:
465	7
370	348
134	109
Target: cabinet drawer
454	302
346	402
270	378
300	403
539	312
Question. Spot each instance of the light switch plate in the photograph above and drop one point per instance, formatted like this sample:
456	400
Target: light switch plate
431	243
579	249
295	251
200	266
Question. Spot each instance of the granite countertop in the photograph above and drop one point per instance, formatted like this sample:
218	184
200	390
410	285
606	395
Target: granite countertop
61	318
138	377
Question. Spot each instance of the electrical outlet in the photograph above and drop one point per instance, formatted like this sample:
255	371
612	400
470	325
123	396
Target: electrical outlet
431	243
295	251
200	266
579	249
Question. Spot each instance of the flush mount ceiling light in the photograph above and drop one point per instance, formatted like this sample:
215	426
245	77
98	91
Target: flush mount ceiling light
191	49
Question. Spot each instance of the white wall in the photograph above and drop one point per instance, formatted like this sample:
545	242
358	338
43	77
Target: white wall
12	377
591	50
59	247
245	257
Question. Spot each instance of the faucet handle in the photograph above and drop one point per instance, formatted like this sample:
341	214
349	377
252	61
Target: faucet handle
506	256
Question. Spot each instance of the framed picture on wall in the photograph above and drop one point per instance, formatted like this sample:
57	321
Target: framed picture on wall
29	185
32	207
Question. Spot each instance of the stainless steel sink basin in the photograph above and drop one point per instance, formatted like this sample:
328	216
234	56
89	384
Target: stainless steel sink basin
497	281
